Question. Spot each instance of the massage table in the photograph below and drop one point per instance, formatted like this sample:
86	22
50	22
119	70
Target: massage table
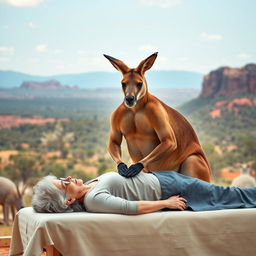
211	233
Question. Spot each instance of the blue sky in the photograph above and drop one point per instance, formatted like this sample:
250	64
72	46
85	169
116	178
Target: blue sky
48	37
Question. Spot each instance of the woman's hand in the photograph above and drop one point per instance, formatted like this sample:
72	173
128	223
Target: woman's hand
176	202
173	202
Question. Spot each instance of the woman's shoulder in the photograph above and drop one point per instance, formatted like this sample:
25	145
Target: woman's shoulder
108	179
109	175
105	182
111	178
102	176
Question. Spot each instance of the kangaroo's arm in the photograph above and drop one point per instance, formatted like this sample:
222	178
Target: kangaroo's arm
115	140
161	124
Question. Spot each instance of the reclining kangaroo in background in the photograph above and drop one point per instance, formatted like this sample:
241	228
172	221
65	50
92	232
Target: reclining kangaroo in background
158	137
10	198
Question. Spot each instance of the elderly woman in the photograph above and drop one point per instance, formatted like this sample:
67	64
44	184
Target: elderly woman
144	193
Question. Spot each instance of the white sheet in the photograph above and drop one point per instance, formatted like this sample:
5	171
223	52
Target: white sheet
224	232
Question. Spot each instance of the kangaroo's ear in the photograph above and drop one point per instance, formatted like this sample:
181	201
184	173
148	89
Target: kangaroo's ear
118	64
146	64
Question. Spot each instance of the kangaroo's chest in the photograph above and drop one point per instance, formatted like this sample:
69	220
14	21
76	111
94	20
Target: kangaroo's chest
136	124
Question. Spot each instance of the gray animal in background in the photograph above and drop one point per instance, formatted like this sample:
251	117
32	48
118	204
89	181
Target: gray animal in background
10	198
244	180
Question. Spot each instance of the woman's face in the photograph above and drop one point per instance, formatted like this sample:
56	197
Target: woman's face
73	188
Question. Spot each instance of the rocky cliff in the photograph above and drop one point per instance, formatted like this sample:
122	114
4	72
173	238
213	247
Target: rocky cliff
51	84
227	81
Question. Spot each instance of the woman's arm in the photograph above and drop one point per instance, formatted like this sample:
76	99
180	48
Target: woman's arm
107	203
173	202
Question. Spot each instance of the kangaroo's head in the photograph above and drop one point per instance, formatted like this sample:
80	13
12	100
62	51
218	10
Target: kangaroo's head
133	82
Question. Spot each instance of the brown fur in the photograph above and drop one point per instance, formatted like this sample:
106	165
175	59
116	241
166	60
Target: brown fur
157	135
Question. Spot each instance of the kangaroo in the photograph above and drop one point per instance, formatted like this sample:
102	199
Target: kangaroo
10	198
158	137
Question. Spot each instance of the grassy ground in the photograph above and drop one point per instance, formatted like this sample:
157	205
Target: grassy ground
5	230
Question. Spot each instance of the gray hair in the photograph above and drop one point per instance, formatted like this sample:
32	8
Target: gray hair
48	198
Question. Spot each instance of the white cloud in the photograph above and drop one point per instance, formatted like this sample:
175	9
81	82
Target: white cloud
147	48
34	60
183	59
21	3
211	37
57	62
31	25
94	61
57	51
160	3
82	52
7	50
41	48
243	56
4	59
7	26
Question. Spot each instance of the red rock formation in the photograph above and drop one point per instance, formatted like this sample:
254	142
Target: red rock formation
51	84
215	113
231	105
227	81
229	174
8	121
220	104
237	103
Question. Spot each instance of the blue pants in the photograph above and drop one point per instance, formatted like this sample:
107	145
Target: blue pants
203	196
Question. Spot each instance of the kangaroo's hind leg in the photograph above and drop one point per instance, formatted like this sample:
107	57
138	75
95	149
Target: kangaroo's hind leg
196	166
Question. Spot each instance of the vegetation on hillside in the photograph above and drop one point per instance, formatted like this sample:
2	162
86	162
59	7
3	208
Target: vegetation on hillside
229	139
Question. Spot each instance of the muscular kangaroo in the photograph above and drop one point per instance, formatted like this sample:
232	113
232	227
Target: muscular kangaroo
158	137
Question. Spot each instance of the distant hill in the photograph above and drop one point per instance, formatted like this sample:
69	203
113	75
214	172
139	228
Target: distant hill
48	85
221	88
224	116
226	128
156	79
226	81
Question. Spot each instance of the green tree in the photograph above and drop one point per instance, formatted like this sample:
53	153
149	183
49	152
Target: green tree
56	169
81	175
22	170
59	139
246	147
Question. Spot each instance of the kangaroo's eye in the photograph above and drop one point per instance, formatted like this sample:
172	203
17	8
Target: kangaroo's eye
139	85
123	85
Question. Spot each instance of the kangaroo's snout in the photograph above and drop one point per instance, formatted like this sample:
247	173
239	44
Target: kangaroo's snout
129	100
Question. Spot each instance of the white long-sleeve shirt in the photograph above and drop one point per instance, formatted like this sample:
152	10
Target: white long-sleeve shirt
116	194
